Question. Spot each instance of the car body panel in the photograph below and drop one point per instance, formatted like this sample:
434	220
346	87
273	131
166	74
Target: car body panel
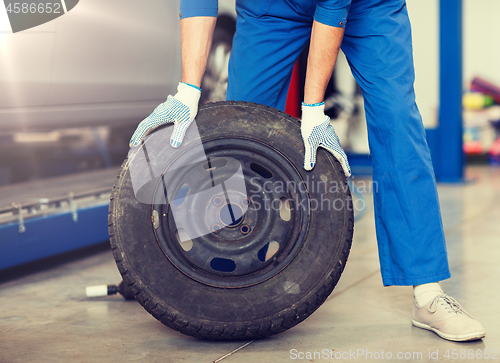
102	63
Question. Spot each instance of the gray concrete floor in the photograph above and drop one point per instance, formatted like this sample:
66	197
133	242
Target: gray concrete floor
45	317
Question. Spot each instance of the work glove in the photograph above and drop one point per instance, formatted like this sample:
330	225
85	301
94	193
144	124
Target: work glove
181	109
317	132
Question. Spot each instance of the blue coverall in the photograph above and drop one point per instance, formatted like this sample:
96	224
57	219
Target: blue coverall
270	34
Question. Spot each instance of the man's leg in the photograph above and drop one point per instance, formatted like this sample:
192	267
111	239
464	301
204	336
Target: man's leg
412	250
410	236
269	38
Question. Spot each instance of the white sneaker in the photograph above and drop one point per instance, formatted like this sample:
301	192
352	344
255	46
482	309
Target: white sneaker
445	317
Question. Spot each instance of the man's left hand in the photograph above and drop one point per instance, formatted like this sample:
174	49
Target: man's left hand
317	132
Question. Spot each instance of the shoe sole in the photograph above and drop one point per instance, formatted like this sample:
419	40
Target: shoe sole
456	338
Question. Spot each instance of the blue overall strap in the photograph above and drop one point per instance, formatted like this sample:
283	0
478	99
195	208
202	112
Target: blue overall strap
332	12
190	8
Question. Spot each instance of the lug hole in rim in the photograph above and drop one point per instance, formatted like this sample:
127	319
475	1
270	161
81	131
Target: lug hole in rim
245	229
217	200
216	228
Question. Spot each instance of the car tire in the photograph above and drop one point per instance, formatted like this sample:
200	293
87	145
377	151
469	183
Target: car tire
276	293
214	82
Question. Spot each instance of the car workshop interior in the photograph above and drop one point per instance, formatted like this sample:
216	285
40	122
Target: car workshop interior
211	249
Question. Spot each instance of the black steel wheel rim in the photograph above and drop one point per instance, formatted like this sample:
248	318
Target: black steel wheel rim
238	254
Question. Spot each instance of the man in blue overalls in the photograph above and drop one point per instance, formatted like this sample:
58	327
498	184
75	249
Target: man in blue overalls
375	36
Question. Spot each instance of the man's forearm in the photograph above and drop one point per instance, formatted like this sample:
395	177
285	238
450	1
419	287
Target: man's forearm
196	40
323	51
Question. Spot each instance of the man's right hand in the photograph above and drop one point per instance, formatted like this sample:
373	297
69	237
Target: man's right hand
181	109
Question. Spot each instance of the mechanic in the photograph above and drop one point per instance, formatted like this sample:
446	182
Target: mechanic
375	36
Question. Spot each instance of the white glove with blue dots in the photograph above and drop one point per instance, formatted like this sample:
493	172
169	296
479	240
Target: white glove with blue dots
181	109
317	132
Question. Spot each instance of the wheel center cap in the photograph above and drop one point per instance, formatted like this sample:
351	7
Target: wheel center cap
231	215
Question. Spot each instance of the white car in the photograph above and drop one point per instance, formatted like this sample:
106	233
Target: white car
102	63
